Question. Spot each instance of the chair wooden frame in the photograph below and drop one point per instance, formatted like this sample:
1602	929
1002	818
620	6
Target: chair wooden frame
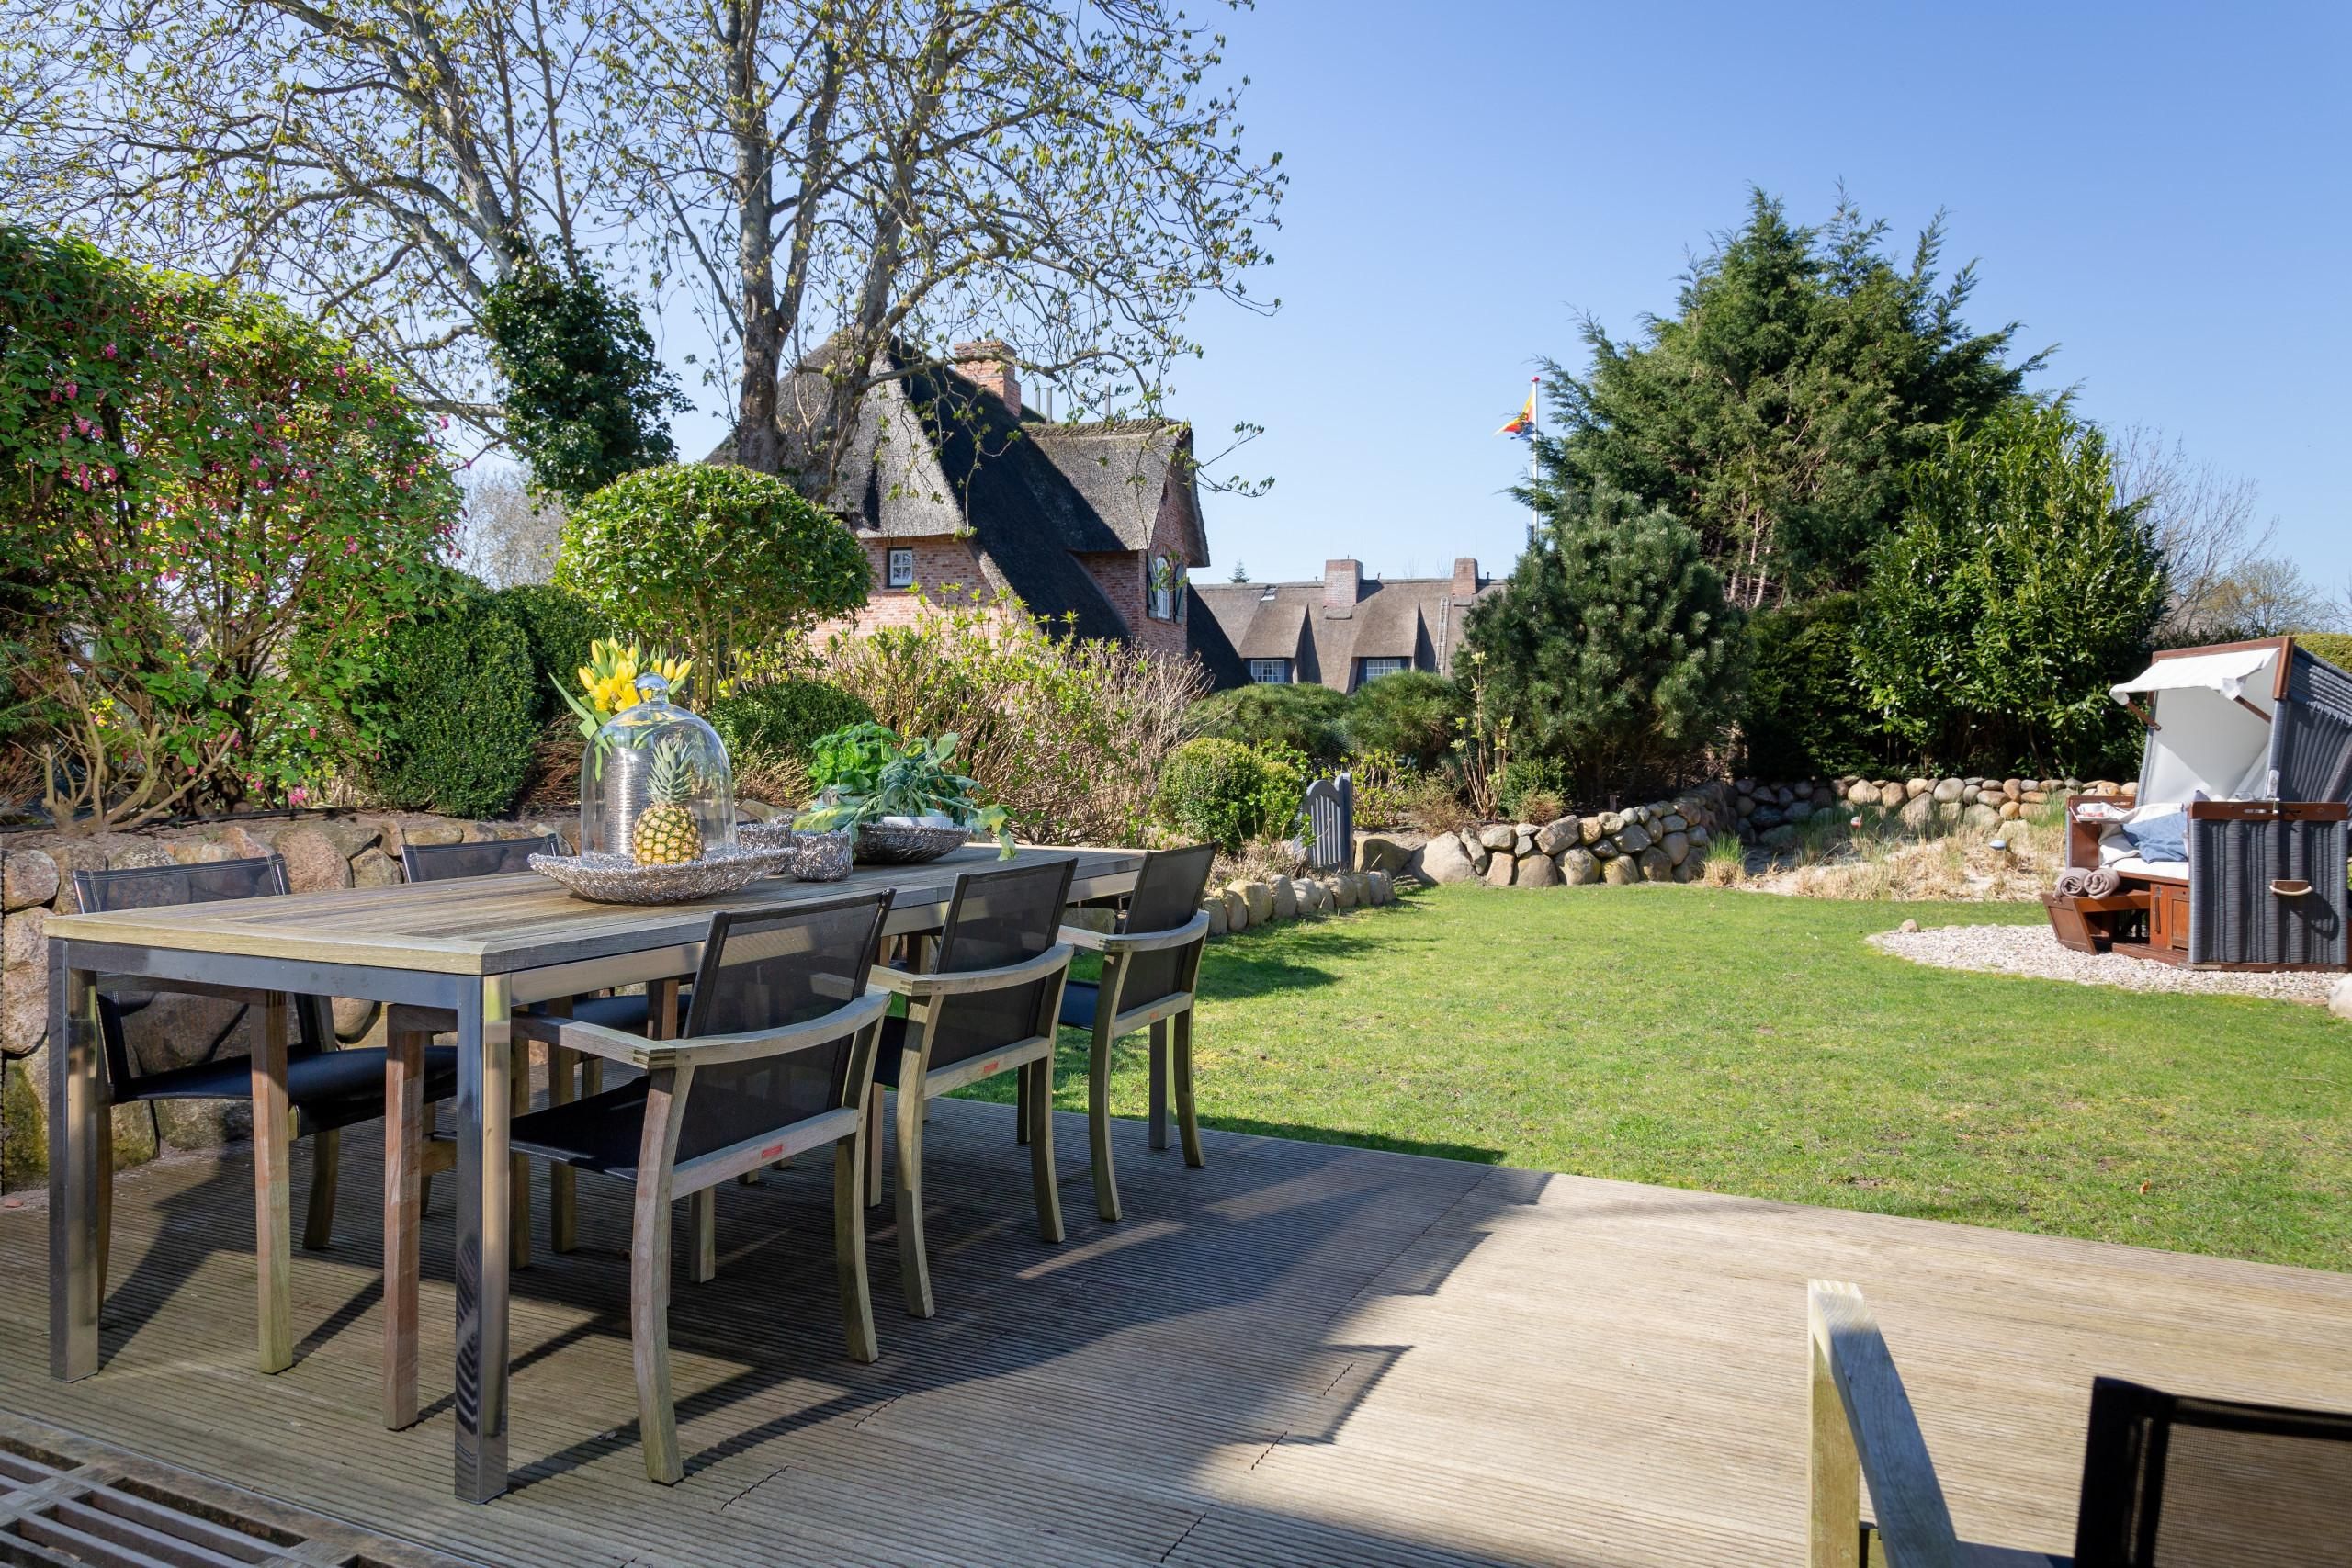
670	1067
1167	1016
928	997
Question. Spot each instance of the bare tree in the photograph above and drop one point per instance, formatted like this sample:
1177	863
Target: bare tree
507	535
2210	526
1067	174
380	162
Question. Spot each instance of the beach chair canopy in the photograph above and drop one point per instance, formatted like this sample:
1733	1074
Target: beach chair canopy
2247	721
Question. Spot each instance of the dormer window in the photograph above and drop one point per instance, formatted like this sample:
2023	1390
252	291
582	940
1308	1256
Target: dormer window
901	569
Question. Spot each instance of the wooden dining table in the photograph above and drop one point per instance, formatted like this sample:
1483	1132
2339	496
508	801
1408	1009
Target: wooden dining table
477	948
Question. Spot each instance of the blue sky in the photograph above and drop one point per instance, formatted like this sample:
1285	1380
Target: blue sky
2162	191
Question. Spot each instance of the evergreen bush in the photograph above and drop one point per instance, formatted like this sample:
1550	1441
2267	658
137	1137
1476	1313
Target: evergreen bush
1224	792
1804	716
1306	718
461	702
2334	647
769	732
559	625
1412	715
1531	789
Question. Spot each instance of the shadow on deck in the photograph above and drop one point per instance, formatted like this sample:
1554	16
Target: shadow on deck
1301	1353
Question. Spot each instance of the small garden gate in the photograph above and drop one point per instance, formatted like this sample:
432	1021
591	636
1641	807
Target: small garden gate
1329	814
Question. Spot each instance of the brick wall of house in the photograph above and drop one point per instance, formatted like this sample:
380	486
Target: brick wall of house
940	562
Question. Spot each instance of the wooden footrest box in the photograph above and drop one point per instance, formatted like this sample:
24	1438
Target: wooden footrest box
2092	925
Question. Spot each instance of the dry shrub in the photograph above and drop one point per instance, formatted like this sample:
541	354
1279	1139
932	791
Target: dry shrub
1066	734
1885	860
1261	859
1726	861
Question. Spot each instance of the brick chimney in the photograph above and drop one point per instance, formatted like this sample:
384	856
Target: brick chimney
989	364
1466	578
1342	583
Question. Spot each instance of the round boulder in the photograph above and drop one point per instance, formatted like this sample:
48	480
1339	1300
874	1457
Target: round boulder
1537	871
27	877
1446	861
1579	867
1286	897
1620	872
1655	867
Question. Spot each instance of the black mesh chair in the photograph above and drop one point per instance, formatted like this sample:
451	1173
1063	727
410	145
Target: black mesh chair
2168	1481
987	1005
778	1059
327	1089
1151	963
568	1076
2173	1482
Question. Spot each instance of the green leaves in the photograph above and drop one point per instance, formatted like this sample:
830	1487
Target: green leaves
587	398
2017	592
714	559
216	505
867	773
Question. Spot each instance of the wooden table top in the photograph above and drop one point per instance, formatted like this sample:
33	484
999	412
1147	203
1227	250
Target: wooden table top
496	925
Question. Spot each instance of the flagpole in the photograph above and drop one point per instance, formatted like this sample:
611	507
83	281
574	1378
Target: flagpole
1535	424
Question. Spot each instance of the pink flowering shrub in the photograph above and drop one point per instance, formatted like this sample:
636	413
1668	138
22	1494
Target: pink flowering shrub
213	508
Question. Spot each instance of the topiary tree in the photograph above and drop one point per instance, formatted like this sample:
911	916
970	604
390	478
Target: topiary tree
1308	720
463	704
2334	647
1412	715
2017	592
709	557
1611	648
213	506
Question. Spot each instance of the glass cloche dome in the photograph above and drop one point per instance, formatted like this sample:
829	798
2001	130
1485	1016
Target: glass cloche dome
655	785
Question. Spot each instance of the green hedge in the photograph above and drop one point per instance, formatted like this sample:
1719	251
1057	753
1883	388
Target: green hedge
1803	716
2334	647
769	729
1227	794
463	712
1412	715
559	625
1308	720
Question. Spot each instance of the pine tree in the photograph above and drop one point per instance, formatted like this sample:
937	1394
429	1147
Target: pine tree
1612	650
1777	410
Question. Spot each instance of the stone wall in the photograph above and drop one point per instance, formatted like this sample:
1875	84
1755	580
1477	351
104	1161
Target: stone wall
1770	815
1238	906
1665	840
360	850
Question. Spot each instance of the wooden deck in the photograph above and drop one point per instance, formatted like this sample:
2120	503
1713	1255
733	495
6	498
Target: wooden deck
1301	1353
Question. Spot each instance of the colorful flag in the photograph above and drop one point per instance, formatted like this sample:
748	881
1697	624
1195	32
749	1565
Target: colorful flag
1523	423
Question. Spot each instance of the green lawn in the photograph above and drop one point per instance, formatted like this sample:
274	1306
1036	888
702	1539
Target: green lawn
1748	1043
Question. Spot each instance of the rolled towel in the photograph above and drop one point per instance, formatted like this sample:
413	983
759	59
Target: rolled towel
2071	882
2101	882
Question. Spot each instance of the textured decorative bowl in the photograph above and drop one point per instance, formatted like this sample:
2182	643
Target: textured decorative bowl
815	857
907	843
619	879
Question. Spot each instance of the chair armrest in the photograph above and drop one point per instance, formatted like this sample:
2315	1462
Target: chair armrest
919	987
635	1050
1185	935
1881	1432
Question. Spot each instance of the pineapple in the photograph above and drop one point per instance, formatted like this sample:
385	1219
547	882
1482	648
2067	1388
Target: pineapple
666	832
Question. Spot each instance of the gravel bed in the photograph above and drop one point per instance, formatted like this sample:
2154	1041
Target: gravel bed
2033	950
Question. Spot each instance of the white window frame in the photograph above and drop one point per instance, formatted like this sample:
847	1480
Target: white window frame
1374	669
1270	673
899	569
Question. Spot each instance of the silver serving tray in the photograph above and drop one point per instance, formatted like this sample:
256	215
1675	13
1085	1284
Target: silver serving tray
619	879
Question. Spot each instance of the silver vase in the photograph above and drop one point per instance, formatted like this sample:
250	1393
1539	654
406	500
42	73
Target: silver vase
626	769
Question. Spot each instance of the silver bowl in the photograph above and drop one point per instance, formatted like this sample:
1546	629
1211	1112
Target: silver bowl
619	879
907	843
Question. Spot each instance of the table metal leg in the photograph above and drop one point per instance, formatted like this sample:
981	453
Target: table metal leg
76	1101
485	1089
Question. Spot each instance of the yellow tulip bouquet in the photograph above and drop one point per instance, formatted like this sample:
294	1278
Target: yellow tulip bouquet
608	685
